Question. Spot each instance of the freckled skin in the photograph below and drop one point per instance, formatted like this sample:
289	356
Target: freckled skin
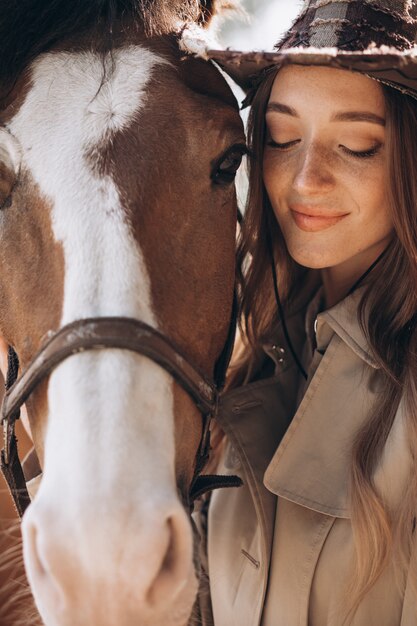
315	174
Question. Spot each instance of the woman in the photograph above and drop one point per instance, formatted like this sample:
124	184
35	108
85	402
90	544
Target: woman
324	430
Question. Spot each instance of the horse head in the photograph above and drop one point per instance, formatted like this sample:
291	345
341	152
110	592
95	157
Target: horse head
118	154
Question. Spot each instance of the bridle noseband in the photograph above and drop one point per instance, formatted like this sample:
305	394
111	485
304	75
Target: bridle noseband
127	334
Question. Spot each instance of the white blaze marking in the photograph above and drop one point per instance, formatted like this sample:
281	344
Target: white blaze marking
65	116
102	405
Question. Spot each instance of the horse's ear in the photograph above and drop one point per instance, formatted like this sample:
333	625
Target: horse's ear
211	8
10	158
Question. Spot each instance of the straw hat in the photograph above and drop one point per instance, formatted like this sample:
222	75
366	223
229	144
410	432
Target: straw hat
375	37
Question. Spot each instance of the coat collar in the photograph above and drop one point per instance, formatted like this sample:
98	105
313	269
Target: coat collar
343	320
312	464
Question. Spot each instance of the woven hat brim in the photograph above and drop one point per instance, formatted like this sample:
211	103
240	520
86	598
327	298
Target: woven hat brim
387	65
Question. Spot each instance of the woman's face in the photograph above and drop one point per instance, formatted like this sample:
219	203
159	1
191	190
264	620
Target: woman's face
325	167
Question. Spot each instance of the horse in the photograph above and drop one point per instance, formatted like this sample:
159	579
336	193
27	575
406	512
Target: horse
118	154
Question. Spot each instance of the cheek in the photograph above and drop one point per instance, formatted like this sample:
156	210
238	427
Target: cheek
361	192
371	206
276	178
31	271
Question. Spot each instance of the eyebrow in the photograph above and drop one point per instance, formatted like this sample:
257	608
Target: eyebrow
343	116
358	116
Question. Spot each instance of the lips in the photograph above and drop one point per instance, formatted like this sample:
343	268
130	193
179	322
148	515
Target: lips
313	220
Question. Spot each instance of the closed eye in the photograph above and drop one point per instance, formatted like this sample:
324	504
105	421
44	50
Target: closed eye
282	146
364	154
226	167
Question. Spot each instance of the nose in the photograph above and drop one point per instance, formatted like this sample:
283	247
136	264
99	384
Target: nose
109	573
314	173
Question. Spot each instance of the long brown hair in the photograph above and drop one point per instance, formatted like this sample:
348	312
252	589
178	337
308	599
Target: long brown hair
390	299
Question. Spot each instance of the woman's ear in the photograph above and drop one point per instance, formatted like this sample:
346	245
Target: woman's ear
10	157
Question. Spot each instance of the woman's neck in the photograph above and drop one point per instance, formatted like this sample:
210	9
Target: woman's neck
339	280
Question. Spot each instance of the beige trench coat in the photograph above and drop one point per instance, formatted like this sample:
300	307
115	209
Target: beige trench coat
295	468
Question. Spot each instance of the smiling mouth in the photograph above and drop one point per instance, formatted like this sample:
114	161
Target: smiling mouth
315	223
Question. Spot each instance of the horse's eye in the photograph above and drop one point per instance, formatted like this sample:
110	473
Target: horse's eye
225	169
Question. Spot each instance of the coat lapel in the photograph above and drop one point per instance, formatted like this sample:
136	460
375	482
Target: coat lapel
241	522
255	418
311	467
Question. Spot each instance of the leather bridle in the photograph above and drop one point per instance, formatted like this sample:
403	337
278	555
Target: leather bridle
127	334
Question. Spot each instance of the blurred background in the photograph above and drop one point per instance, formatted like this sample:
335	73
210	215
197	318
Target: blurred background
267	20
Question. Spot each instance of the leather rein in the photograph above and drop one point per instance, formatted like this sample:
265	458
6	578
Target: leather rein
120	333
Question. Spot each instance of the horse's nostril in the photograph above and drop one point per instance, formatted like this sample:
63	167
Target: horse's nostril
37	565
112	577
175	569
33	549
169	560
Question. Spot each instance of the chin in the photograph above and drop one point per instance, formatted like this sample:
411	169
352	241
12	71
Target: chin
314	260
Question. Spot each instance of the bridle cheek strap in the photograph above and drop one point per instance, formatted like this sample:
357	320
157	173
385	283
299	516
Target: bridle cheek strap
106	333
15	479
10	462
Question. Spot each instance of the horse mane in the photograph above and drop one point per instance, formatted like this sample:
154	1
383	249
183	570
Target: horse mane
30	27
